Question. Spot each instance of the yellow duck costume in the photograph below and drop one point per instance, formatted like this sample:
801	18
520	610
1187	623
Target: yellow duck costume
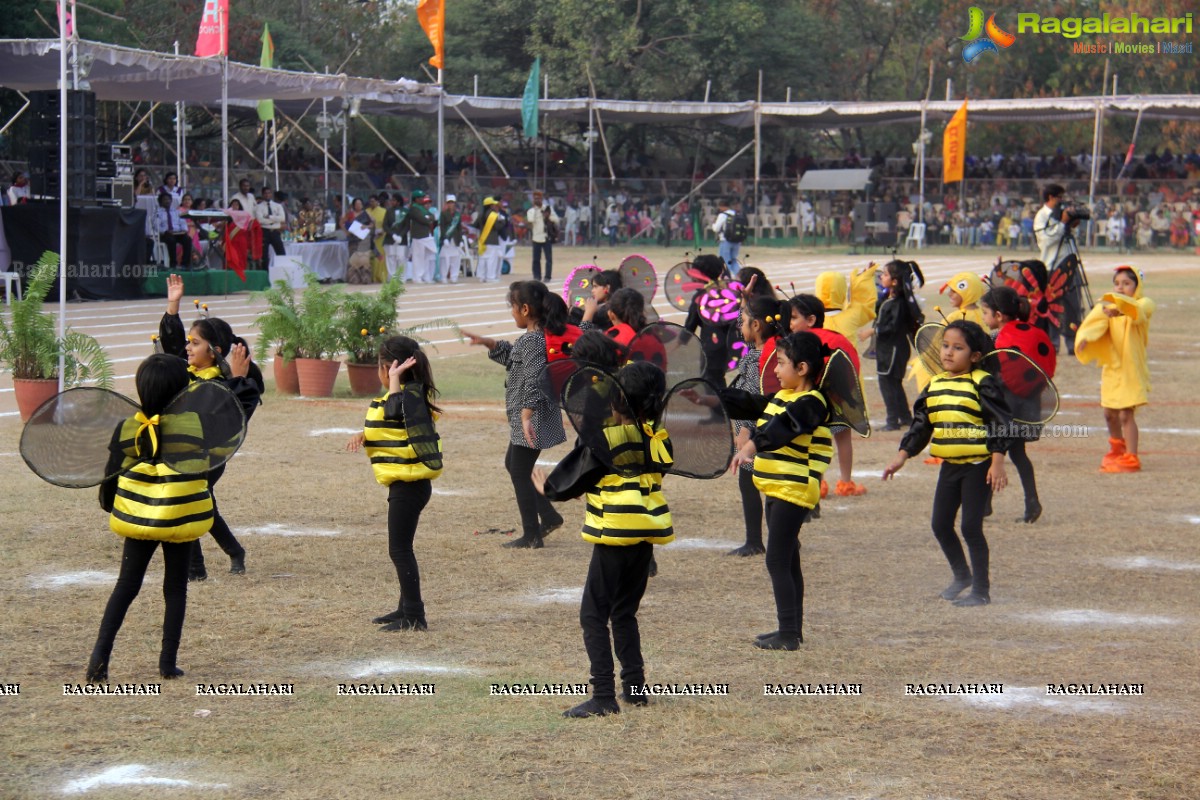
1118	344
847	316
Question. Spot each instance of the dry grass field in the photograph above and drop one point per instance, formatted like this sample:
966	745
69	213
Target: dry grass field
1101	590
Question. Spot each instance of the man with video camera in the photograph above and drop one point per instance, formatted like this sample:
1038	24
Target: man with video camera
1054	226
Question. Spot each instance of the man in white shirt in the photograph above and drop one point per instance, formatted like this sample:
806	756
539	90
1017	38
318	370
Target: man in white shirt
539	214
1051	226
726	249
171	230
271	218
245	196
19	191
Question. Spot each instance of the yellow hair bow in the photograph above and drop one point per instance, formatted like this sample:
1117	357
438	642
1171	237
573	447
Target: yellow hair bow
147	423
658	444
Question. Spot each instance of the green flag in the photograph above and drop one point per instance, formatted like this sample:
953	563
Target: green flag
266	108
529	104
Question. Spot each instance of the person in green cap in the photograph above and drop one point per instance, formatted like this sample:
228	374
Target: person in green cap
422	247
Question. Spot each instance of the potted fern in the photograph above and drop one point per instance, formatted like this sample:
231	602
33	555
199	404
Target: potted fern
30	346
279	328
367	319
319	337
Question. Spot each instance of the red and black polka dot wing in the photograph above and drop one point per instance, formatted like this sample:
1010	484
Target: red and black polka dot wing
1031	394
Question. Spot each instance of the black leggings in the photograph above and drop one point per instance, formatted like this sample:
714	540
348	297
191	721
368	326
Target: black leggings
752	507
406	500
1020	460
519	461
963	485
895	400
783	563
220	529
134	560
616	581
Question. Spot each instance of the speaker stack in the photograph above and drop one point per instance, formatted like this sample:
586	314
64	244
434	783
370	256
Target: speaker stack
44	178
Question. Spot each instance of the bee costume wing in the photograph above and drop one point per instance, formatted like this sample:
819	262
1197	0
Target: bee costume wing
701	436
591	399
681	284
843	391
200	429
66	441
422	435
638	273
555	376
671	348
577	288
768	381
1032	396
928	344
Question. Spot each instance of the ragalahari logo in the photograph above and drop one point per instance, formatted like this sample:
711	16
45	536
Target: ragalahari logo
992	37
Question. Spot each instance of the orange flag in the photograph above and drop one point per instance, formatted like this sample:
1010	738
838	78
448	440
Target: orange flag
954	146
432	16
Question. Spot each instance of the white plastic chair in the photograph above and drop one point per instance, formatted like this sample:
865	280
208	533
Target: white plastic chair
790	222
161	255
11	279
916	235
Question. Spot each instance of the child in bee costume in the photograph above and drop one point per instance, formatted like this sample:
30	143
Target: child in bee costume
619	461
151	462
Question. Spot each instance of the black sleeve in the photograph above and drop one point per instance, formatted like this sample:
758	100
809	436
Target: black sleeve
921	431
692	323
740	404
172	336
247	393
578	472
108	487
889	321
996	415
393	407
801	416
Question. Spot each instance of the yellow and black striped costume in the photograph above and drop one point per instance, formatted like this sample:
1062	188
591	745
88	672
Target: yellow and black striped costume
153	500
956	414
792	473
390	446
625	510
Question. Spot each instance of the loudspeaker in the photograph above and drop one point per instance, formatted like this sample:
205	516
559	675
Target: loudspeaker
81	144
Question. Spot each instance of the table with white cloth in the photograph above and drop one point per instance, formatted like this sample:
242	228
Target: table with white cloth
329	260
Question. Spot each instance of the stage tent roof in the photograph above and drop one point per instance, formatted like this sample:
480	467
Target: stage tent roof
121	73
835	180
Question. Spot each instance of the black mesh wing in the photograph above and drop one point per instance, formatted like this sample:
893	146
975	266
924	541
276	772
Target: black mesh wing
681	284
592	399
578	286
1031	394
701	438
66	441
422	434
842	389
201	428
670	348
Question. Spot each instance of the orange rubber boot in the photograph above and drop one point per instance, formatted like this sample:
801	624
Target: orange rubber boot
824	490
1126	462
849	489
1116	450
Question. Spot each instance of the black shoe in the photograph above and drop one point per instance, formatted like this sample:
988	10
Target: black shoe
815	513
237	564
550	527
653	568
973	600
595	707
956	588
1032	512
170	673
987	509
386	618
628	697
762	636
747	550
97	671
197	575
779	641
407	624
890	427
525	543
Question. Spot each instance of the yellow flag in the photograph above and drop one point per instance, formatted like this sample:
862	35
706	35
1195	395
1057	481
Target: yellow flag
954	146
432	16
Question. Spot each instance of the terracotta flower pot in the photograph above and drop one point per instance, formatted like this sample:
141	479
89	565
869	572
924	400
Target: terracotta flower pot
364	379
286	379
31	393
317	376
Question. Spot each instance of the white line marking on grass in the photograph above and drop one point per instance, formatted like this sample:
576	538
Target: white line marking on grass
1036	697
277	529
1090	616
1194	520
702	544
453	492
1150	562
541	462
330	431
64	579
357	670
572	594
132	775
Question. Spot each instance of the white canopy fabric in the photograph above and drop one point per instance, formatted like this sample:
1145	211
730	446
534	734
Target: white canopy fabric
835	180
121	73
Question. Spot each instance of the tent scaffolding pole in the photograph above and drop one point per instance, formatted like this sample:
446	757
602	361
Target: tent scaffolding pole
758	159
388	145
441	135
139	123
288	133
612	175
239	143
716	172
315	143
63	265
478	136
1097	138
17	115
